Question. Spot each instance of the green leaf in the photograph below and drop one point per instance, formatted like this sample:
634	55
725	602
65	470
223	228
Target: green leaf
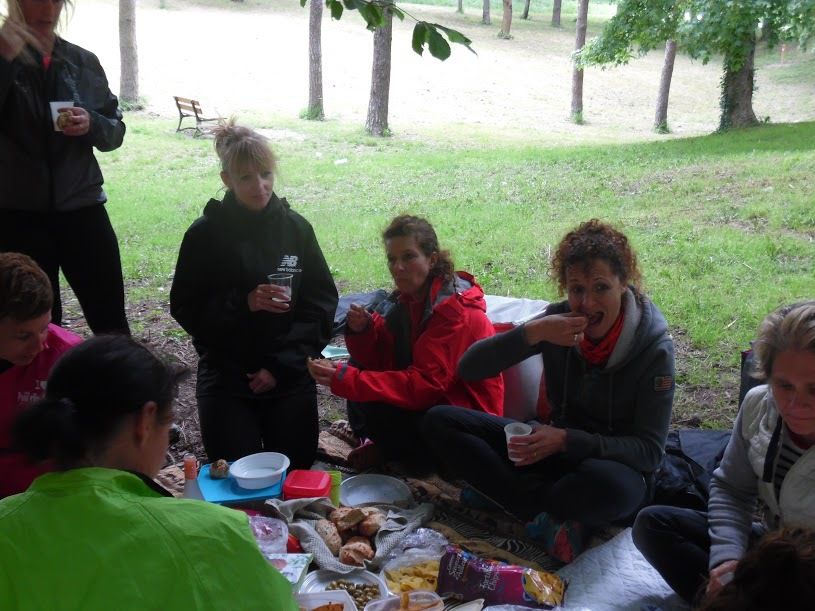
303	3
456	37
439	48
372	15
398	13
419	36
336	9
351	4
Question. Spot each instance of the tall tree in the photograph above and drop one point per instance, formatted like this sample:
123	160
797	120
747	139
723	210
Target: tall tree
315	62
704	29
556	13
525	14
460	8
485	13
377	121
577	72
128	53
661	116
506	20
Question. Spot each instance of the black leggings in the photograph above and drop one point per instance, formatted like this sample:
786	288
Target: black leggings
232	427
83	245
473	446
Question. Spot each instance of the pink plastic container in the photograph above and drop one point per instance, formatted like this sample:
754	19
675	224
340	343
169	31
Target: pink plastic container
301	484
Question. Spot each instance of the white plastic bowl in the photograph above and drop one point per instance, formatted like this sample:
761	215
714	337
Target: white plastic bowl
259	470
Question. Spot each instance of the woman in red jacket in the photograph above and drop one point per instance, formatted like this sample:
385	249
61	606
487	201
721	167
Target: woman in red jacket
404	354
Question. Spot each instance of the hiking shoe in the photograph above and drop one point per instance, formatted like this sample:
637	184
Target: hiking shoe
472	498
343	431
562	540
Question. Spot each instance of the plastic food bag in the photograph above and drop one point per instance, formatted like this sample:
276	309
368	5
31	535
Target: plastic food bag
270	533
468	576
414	564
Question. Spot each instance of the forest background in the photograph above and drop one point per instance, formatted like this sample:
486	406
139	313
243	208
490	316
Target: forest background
484	146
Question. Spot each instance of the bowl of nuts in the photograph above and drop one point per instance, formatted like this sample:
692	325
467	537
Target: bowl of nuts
363	586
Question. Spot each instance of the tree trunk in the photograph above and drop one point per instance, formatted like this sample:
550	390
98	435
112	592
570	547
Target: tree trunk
556	13
526	10
460	8
485	18
737	93
315	62
577	74
128	53
377	121
506	20
661	118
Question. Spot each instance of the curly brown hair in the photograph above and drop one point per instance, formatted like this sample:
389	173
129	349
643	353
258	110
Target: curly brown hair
406	225
594	240
778	573
25	290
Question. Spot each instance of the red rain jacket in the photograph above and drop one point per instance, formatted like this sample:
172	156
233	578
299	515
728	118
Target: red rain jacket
420	372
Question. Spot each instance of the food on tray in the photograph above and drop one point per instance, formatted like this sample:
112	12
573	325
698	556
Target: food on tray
356	551
420	576
374	519
362	593
219	469
328	533
345	518
63	119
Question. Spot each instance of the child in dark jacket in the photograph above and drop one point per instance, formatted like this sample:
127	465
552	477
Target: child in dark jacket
253	337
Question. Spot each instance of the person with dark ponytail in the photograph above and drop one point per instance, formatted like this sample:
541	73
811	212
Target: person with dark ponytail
104	534
29	347
404	355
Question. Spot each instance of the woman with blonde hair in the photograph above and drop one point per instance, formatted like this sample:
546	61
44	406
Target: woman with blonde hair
770	458
253	337
52	206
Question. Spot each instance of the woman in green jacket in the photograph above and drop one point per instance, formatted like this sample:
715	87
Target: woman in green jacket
100	534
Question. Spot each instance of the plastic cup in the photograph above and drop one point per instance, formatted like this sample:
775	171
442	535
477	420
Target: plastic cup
55	106
283	281
516	429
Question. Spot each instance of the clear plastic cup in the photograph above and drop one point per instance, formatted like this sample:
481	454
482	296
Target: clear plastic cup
516	429
284	282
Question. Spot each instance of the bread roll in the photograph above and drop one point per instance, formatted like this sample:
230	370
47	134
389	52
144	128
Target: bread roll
372	523
356	551
219	469
345	518
328	533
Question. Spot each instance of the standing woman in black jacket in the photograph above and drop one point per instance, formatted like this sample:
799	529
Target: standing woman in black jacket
51	197
254	390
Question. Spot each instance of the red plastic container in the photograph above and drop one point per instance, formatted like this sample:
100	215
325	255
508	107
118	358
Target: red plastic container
301	484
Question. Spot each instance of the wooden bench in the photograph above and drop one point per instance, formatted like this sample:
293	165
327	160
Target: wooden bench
192	108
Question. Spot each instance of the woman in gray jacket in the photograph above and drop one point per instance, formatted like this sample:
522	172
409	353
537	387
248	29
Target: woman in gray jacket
770	458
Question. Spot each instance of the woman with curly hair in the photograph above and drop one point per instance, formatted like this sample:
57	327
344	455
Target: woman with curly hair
609	365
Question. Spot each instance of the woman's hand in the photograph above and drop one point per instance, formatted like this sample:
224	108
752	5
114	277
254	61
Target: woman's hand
322	370
721	575
261	381
80	121
561	329
542	442
268	298
358	318
13	39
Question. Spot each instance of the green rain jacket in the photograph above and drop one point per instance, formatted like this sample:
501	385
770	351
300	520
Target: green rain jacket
106	539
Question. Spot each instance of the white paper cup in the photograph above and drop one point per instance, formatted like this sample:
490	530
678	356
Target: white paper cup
284	282
55	106
516	429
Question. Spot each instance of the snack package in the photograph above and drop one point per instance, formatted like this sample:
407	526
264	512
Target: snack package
292	566
465	575
271	534
412	572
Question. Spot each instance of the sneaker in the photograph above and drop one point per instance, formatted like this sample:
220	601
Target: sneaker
472	498
562	540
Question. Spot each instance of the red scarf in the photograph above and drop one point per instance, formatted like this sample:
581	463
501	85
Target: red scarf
597	354
46	61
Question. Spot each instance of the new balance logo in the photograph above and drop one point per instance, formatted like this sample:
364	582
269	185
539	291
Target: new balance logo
289	261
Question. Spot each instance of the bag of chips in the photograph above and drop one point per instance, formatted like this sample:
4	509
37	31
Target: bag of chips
467	576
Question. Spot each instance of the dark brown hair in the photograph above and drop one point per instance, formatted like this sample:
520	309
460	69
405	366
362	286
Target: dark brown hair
422	231
778	573
791	327
594	240
25	290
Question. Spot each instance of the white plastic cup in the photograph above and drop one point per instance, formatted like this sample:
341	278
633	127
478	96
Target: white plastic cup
284	282
516	429
55	106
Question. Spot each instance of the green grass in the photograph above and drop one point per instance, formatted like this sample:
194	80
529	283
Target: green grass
724	224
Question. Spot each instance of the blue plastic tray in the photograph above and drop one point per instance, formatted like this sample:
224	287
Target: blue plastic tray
228	491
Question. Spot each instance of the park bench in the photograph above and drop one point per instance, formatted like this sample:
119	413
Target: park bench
192	108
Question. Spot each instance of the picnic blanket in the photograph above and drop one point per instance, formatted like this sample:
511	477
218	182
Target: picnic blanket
301	515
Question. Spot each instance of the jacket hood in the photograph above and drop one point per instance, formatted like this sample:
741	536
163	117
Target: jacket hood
643	325
231	213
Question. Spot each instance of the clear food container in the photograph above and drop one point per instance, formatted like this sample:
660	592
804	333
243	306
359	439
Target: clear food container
409	601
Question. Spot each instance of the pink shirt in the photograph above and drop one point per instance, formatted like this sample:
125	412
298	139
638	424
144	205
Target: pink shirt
20	386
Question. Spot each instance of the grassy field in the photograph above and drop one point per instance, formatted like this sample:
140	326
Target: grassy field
724	224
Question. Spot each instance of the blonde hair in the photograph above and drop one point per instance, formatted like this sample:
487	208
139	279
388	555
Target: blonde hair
791	327
238	146
15	11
